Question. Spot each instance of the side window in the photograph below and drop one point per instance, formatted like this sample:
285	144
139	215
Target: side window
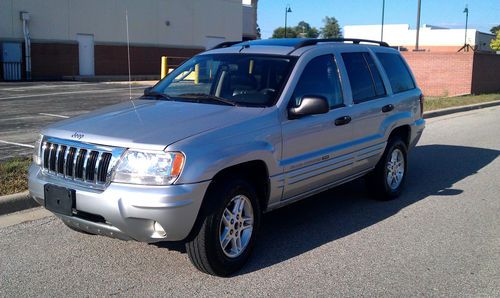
365	79
397	71
320	77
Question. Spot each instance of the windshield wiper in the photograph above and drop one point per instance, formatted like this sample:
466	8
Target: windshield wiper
204	96
158	95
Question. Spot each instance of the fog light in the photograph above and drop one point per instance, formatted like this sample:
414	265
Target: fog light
159	229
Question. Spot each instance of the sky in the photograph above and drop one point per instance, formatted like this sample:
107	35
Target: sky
483	14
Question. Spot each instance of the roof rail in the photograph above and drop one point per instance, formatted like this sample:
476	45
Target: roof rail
226	44
313	41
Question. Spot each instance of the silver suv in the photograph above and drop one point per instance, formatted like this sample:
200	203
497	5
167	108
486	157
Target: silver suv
235	131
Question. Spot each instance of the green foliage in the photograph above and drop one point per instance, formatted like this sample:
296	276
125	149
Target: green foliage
303	29
495	43
280	32
331	28
495	29
259	35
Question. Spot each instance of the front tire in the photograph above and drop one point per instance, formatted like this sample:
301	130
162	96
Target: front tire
387	180
228	232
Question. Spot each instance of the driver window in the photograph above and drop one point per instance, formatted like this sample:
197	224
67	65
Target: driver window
320	78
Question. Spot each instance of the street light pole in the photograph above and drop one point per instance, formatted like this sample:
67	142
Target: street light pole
382	29
418	26
287	10
466	11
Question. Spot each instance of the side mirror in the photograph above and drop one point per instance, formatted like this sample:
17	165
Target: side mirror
309	105
147	90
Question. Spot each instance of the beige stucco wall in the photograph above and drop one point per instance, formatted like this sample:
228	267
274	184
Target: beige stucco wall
191	21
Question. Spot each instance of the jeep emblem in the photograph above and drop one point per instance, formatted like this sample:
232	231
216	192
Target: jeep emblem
77	135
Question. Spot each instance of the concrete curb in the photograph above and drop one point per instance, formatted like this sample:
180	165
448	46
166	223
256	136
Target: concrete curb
16	202
22	200
447	111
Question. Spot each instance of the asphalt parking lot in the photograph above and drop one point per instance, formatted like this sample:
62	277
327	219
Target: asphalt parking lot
26	107
440	238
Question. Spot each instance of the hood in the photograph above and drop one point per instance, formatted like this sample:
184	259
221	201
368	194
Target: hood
148	124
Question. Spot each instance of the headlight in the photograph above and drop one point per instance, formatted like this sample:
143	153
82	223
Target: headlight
36	151
150	168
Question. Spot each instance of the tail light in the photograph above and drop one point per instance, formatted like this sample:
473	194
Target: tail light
421	99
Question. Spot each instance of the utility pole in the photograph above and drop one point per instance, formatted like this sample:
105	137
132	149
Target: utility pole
466	46
466	11
382	29
418	26
287	10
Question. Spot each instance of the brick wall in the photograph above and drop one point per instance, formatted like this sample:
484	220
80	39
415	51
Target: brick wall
112	60
53	60
56	60
486	73
442	74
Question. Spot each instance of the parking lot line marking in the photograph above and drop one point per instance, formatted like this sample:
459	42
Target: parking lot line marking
21	88
70	92
53	115
17	144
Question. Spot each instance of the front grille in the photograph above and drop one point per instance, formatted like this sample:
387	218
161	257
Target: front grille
79	162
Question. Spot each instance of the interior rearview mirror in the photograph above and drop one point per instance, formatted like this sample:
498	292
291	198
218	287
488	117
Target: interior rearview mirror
309	105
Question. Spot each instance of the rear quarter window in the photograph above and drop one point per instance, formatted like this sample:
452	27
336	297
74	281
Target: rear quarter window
397	72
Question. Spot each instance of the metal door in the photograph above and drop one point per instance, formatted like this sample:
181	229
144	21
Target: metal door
86	54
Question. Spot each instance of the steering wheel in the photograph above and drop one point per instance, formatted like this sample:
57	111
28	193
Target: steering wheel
267	91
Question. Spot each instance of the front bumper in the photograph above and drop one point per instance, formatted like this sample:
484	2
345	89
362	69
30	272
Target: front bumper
129	211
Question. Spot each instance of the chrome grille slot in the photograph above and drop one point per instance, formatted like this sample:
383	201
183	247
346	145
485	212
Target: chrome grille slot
81	163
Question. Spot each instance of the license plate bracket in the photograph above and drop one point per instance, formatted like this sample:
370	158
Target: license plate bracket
59	199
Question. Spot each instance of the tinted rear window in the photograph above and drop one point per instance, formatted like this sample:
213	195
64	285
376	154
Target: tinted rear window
364	77
396	70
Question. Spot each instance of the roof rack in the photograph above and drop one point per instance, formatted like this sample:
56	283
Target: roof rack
313	41
225	44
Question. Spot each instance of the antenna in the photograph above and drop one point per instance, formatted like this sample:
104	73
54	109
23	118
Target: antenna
128	57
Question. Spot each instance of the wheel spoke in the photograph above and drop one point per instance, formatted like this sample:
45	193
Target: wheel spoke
226	217
225	238
236	207
247	222
238	244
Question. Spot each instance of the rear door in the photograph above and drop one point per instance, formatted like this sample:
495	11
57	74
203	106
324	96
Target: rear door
370	106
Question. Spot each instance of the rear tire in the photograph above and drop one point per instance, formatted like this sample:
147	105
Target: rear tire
388	177
216	249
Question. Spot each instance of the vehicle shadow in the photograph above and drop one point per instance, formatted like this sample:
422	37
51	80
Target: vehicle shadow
305	225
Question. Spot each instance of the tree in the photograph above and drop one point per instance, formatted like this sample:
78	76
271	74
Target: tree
331	28
259	35
494	29
495	43
303	29
280	32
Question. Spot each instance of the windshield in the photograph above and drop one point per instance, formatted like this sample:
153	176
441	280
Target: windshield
238	79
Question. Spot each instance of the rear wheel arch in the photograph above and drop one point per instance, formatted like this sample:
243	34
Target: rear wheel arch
403	132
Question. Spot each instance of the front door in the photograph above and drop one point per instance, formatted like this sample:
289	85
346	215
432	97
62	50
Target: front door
315	149
86	54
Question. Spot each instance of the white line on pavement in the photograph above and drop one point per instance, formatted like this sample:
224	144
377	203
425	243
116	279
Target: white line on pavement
71	92
53	115
17	144
24	88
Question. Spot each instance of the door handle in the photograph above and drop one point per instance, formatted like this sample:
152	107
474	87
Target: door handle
342	120
387	108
